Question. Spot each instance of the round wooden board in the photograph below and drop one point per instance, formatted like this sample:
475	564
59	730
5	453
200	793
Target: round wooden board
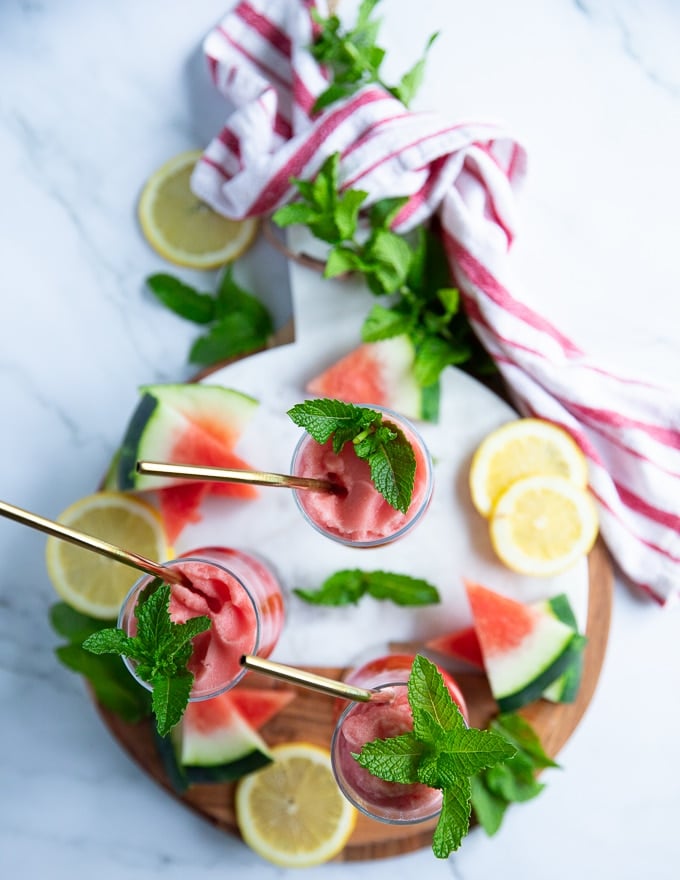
310	717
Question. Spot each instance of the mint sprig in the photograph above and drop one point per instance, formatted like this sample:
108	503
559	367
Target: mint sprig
441	752
113	686
161	650
409	273
383	445
354	58
348	586
514	781
237	322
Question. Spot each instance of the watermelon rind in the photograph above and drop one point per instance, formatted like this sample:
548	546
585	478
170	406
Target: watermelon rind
520	675
150	435
173	769
549	655
566	687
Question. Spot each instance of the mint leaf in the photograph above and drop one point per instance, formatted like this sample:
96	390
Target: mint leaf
429	696
389	454
347	212
454	820
395	759
182	299
161	649
348	586
413	78
466	751
113	641
513	781
393	468
353	57
237	321
112	685
229	337
73	625
384	211
521	734
170	696
324	417
382	323
488	807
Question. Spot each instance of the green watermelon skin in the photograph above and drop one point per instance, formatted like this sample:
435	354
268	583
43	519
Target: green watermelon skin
565	688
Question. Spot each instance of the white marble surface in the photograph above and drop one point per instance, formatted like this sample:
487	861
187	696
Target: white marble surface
94	96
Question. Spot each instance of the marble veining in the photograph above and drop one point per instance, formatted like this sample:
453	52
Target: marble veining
95	96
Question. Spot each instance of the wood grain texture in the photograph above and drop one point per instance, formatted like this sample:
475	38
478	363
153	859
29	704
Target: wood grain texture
311	716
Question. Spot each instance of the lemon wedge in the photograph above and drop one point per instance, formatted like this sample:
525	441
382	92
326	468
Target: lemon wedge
89	582
291	812
181	227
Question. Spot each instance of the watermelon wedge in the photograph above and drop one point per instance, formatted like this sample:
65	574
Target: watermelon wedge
380	373
462	644
217	739
188	423
260	705
185	424
525	647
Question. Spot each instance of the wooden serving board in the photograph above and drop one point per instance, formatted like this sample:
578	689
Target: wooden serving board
310	717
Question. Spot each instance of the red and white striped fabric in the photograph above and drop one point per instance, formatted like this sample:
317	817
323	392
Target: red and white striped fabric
467	173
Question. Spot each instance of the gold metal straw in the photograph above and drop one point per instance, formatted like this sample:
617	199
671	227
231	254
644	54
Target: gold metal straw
310	680
57	530
234	475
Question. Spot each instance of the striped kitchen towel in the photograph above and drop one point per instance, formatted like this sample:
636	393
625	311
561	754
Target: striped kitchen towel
467	174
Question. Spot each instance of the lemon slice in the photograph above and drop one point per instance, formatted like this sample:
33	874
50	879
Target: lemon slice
541	525
86	580
182	228
518	449
292	812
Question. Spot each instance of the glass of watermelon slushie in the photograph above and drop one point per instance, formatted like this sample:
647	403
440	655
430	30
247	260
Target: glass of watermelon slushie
390	802
242	596
359	516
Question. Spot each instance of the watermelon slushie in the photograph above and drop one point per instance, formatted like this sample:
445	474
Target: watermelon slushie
391	802
358	515
241	596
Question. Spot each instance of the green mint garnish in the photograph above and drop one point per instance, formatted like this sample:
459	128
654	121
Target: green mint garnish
513	781
161	650
413	272
237	322
113	686
441	752
348	586
384	446
354	58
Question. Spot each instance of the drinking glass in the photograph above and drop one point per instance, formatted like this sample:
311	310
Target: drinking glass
358	515
390	802
241	594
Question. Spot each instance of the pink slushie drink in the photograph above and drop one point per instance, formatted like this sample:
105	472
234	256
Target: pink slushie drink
392	802
241	596
358	514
